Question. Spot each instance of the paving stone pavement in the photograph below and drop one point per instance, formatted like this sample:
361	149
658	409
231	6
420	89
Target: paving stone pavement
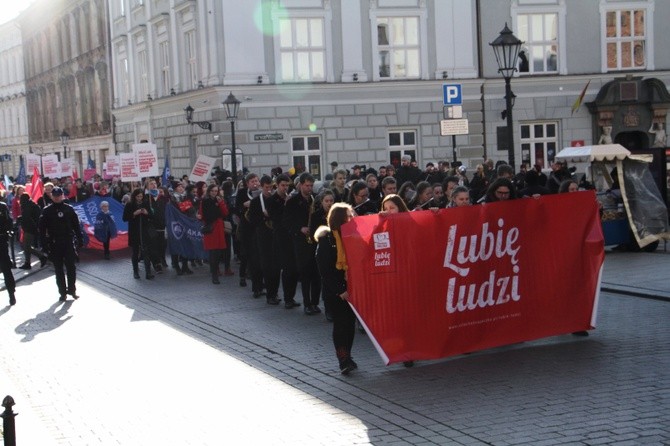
180	361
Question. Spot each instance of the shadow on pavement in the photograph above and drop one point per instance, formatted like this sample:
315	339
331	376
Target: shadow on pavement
45	321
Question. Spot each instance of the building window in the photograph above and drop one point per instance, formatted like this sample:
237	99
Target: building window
398	48
539	32
306	155
401	142
302	49
143	76
164	54
539	141
191	59
625	39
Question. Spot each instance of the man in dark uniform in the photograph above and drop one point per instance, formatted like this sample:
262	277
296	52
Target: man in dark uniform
283	257
6	226
249	259
297	213
59	234
259	218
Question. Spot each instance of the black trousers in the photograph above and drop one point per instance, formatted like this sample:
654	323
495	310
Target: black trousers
141	248
250	260
308	273
269	269
63	256
284	260
215	256
344	327
6	264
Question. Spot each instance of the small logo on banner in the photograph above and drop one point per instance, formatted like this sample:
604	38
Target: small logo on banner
383	253
382	241
177	230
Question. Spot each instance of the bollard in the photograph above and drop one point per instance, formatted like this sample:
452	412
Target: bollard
8	427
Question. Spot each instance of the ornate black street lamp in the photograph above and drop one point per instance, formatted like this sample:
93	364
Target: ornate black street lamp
205	125
64	138
232	107
506	48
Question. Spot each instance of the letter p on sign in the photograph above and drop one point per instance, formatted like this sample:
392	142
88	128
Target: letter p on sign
451	94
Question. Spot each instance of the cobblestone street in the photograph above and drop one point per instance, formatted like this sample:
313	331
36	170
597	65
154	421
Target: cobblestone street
181	361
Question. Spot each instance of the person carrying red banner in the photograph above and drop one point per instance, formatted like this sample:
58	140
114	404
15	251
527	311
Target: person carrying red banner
332	264
500	190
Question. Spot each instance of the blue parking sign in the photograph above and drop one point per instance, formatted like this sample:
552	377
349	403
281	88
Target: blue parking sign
451	94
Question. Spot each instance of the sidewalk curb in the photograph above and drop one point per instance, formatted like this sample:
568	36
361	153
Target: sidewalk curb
634	292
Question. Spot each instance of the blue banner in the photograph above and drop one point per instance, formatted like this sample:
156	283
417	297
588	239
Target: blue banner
183	234
87	212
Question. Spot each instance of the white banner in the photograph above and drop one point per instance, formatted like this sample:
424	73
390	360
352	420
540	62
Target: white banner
202	168
51	166
147	159
113	165
33	161
129	169
66	167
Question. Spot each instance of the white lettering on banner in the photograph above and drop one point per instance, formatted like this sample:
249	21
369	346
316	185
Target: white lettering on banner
493	291
382	259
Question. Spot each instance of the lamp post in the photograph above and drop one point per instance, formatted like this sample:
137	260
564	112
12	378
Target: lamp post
232	107
64	138
205	125
506	48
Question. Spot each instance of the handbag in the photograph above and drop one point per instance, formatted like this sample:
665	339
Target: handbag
207	228
227	227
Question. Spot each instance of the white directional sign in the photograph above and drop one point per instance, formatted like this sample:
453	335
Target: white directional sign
452	94
454	127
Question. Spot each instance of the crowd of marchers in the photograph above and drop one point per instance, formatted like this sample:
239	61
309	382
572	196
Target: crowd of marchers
281	230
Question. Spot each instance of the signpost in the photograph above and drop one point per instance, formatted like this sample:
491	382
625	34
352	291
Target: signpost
454	124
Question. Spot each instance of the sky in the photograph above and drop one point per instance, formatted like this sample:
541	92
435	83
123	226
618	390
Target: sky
10	9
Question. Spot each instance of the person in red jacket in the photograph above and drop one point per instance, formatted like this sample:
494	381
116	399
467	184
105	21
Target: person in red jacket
213	211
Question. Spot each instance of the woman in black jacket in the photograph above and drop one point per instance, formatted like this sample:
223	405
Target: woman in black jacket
139	214
331	261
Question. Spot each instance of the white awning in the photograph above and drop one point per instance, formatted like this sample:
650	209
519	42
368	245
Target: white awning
585	154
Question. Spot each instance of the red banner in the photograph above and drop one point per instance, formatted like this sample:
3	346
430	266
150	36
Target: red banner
429	285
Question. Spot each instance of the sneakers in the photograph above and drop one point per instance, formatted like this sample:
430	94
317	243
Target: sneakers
26	266
273	301
347	366
290	303
136	274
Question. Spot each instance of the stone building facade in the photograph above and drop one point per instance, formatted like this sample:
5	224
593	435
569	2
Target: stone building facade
67	75
13	123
